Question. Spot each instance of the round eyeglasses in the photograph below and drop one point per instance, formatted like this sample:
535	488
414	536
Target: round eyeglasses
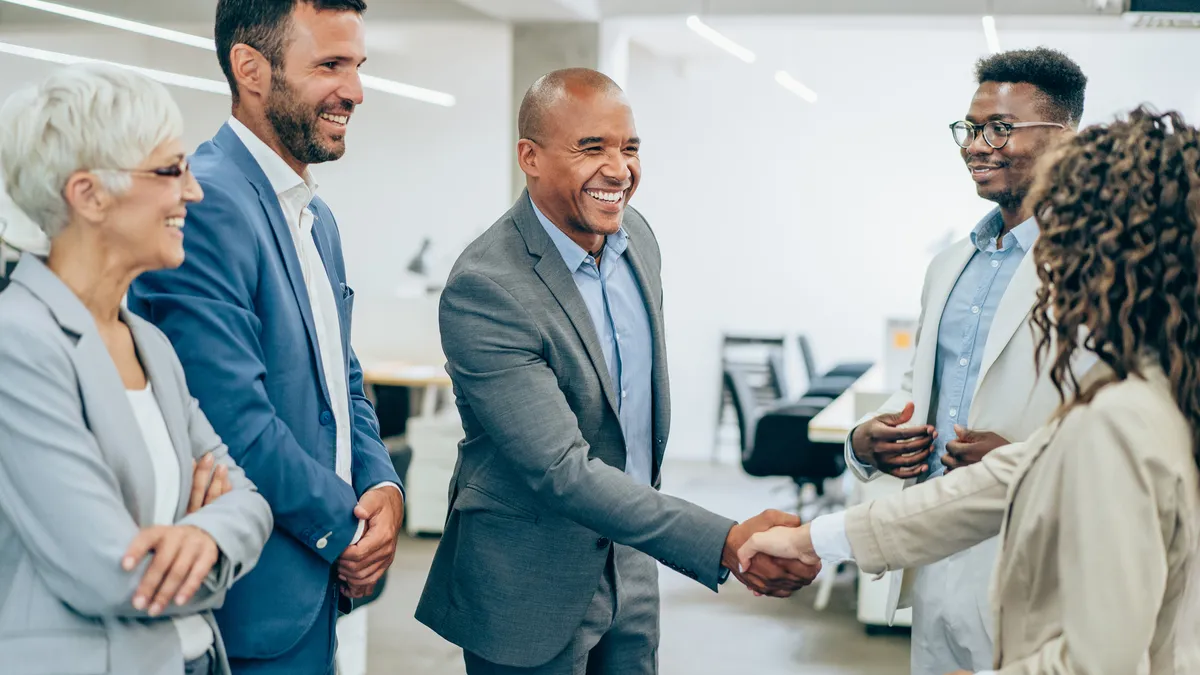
995	132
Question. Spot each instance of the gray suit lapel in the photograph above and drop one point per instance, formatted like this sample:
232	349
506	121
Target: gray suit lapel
166	389
659	378
102	393
554	273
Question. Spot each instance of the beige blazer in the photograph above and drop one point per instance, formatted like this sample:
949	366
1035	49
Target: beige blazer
1011	397
1098	515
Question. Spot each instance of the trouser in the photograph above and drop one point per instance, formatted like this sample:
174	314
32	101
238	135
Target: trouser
952	618
312	655
201	665
619	634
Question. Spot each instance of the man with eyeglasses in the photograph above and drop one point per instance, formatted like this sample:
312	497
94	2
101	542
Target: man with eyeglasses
973	385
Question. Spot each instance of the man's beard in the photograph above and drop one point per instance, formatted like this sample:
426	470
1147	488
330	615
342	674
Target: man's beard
296	125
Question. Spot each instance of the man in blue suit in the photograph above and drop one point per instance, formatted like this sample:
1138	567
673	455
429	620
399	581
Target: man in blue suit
260	316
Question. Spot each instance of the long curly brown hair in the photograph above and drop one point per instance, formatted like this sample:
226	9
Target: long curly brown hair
1118	257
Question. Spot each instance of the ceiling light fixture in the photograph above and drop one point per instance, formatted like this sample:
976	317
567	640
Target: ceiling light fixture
198	83
795	86
705	31
989	31
114	22
370	82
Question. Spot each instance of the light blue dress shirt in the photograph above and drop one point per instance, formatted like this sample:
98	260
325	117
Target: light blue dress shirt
964	326
614	301
966	320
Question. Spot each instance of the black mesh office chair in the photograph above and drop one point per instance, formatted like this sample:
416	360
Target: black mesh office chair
774	439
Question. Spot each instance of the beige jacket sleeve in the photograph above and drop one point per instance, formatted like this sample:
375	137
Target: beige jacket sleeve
933	520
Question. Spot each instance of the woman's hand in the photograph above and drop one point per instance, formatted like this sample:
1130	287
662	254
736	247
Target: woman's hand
183	556
792	543
204	490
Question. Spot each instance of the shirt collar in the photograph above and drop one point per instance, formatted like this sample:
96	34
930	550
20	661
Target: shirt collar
282	177
1023	235
572	253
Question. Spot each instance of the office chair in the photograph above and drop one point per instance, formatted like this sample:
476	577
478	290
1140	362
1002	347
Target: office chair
774	439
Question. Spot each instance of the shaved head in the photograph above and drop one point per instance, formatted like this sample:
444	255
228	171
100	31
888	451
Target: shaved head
579	151
553	88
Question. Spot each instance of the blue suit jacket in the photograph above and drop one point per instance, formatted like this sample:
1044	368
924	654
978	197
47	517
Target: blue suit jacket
238	315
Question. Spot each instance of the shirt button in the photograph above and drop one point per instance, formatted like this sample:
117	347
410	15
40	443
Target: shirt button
954	412
975	309
623	394
995	263
963	362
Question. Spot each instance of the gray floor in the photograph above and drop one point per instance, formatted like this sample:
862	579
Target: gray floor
703	632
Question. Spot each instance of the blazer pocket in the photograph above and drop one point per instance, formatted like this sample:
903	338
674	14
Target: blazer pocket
346	309
59	653
472	498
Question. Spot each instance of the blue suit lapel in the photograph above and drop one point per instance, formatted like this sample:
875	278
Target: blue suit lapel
320	233
229	142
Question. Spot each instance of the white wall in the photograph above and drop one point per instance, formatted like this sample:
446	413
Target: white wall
411	169
778	215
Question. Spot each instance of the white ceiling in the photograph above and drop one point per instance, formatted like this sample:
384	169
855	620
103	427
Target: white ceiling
201	11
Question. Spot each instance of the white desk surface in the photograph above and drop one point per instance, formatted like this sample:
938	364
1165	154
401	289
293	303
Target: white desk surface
833	424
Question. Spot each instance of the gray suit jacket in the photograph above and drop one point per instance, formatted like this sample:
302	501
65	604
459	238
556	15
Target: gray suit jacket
540	491
76	486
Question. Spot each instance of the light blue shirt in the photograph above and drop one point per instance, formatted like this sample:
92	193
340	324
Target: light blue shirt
964	326
966	320
614	301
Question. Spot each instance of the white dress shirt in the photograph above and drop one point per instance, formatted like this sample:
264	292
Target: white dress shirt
295	194
195	635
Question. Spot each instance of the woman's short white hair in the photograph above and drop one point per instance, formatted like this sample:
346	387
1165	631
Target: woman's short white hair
87	117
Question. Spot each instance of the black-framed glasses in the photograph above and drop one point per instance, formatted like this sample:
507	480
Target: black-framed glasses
170	171
995	132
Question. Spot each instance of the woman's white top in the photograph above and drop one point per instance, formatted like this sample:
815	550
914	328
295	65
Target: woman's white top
195	635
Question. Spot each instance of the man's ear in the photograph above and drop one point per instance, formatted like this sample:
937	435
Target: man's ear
251	70
527	157
86	196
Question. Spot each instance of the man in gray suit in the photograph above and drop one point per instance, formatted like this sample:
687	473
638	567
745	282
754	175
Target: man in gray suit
552	326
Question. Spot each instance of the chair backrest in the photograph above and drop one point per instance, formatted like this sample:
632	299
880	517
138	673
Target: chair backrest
744	405
806	355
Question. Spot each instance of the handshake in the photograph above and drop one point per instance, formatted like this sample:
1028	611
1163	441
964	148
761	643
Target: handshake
771	554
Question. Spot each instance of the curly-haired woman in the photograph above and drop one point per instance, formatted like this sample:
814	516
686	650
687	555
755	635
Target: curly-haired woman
1099	513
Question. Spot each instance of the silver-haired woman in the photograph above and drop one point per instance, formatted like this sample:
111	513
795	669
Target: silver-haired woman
123	520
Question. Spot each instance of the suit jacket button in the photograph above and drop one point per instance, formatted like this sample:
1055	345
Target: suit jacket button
603	542
322	542
326	418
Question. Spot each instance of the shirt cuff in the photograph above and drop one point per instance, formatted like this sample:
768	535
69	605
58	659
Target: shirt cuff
829	539
387	484
866	469
362	525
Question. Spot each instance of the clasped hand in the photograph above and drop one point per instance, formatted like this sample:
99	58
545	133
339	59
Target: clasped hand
183	554
767	574
361	565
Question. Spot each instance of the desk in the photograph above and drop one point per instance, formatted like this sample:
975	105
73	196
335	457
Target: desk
833	425
430	378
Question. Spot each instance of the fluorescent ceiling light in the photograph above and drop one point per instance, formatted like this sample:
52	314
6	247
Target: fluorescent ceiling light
793	85
200	83
719	40
989	31
114	22
370	82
